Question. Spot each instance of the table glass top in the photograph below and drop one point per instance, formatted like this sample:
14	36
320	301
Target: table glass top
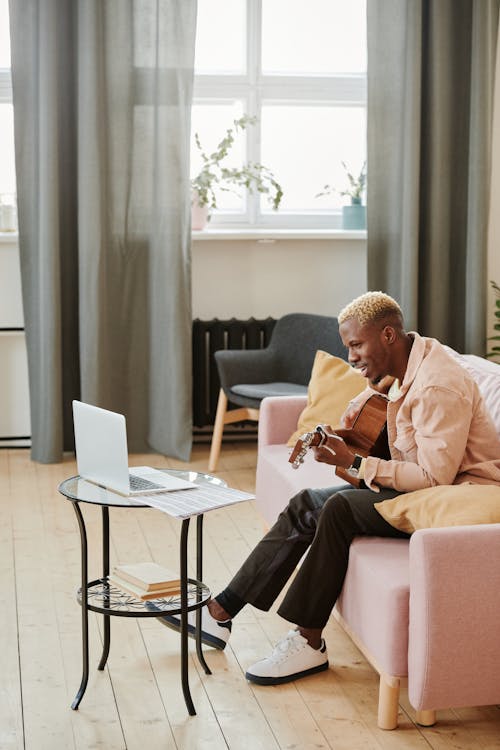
76	488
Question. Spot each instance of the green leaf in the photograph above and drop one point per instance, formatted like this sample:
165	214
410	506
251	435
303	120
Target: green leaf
253	176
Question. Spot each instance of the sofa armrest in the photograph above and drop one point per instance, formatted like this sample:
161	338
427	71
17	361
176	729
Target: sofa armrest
454	650
278	418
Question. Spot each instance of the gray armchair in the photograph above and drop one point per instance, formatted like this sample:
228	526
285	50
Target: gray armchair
283	368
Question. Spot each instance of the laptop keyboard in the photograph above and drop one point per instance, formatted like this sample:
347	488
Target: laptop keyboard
140	484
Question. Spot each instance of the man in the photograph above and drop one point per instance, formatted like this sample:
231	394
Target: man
439	433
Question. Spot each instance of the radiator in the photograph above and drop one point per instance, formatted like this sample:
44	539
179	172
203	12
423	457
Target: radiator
208	337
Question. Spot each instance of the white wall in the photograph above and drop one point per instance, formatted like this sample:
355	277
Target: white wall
244	278
14	393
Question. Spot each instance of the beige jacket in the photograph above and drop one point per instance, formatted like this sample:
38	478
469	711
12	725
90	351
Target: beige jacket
439	430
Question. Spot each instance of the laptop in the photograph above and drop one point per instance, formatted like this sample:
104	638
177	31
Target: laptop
102	455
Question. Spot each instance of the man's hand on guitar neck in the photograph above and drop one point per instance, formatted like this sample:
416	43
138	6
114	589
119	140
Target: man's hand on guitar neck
334	451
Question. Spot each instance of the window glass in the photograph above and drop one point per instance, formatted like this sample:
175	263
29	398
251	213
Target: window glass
314	38
7	163
4	34
306	84
304	145
7	168
301	136
220	37
211	121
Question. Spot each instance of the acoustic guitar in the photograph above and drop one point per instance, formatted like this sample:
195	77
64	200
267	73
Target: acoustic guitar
366	437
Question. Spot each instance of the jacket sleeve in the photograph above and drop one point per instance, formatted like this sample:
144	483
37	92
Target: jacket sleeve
429	450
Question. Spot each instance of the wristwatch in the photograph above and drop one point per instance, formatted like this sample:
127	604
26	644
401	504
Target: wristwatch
353	469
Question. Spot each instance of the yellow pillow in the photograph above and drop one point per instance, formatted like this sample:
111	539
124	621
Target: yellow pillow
446	505
332	385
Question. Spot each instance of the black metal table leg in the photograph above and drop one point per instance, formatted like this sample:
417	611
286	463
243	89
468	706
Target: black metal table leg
101	597
184	631
85	612
105	573
199	576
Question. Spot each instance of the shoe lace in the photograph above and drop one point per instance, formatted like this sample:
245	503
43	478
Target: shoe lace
291	643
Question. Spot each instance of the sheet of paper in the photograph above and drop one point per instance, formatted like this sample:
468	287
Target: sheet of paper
188	503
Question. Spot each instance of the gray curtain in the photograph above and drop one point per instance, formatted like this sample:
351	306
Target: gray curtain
431	70
102	99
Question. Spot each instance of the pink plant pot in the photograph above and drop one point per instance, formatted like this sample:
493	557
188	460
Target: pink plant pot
199	215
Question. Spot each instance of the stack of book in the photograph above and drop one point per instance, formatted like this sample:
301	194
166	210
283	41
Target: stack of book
145	580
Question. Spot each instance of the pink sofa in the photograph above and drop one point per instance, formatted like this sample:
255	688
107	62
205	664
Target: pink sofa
426	609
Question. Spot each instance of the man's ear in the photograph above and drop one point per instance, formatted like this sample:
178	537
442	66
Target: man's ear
389	334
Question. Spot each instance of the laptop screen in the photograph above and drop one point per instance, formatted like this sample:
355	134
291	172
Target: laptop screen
101	446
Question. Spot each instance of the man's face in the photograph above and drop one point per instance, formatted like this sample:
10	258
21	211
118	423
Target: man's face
368	347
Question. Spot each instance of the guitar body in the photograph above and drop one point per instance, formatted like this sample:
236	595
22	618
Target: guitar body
367	437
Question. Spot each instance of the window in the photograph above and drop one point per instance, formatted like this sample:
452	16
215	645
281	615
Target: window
300	68
7	168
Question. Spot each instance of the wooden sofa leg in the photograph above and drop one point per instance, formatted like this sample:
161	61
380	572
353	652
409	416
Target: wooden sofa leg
426	718
218	430
388	702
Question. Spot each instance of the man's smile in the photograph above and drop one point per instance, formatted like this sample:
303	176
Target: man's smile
362	368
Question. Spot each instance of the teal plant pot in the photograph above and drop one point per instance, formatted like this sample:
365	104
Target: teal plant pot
354	216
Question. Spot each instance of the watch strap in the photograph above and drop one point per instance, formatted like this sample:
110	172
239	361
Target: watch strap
353	469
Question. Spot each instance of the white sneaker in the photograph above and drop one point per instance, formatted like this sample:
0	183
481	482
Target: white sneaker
291	659
213	632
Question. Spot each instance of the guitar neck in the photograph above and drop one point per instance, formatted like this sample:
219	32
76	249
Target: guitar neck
367	436
306	441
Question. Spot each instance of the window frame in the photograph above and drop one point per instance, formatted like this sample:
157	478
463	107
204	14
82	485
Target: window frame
255	89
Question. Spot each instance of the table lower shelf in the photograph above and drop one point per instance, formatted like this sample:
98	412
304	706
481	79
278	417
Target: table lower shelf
106	599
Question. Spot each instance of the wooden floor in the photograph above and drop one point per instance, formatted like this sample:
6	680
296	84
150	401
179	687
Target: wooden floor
136	702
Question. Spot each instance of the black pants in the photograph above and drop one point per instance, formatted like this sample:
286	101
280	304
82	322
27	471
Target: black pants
325	522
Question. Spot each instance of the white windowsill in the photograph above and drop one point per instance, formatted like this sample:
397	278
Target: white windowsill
8	237
260	234
270	235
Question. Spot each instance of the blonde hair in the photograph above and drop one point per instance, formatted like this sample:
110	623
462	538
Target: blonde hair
370	307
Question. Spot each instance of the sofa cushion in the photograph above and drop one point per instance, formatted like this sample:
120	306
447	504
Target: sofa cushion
277	481
487	376
445	505
332	385
374	600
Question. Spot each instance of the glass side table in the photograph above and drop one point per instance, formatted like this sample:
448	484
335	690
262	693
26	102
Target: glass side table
100	596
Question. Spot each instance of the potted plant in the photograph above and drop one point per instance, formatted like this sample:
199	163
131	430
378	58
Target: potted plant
251	175
495	350
353	215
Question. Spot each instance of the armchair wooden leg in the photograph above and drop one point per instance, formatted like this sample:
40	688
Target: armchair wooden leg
426	718
218	430
388	702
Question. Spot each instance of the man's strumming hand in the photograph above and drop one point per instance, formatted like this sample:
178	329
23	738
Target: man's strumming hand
334	451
